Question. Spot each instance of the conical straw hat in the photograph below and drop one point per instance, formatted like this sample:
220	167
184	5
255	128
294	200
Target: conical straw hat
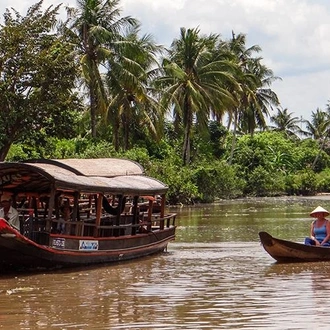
319	209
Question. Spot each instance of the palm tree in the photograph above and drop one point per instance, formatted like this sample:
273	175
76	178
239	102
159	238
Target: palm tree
253	98
193	83
132	106
319	129
284	122
98	28
236	47
262	100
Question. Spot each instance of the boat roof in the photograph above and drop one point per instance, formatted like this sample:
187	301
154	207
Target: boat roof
81	175
107	167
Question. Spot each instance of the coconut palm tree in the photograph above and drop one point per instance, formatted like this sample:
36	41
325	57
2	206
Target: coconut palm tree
254	97
236	46
98	28
319	129
193	83
132	106
284	122
263	98
248	83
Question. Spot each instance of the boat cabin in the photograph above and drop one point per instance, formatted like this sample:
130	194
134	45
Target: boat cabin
90	198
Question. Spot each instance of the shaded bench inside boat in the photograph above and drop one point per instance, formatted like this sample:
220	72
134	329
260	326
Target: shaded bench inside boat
146	219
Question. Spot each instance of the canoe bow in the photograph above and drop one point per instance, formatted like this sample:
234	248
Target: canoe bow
288	251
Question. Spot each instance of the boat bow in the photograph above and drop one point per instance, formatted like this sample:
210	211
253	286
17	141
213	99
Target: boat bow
288	251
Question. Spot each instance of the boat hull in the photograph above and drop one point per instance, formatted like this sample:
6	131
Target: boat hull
286	251
17	252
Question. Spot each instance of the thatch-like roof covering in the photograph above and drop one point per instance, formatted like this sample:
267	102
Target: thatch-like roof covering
107	167
120	177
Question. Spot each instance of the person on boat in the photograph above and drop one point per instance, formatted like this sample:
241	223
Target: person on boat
8	212
320	228
66	211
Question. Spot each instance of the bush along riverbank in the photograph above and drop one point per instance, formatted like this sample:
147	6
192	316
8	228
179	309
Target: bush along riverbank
267	164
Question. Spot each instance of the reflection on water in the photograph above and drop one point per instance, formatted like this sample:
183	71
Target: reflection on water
214	276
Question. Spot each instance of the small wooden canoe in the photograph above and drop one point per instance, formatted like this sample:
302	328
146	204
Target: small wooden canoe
286	251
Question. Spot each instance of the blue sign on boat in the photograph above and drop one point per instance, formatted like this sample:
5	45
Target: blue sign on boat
88	245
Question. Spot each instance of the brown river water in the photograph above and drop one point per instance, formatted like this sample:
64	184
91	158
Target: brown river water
215	275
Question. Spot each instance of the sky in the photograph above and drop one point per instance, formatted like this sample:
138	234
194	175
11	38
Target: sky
294	36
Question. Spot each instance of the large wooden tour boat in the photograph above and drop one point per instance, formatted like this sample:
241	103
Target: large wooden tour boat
77	212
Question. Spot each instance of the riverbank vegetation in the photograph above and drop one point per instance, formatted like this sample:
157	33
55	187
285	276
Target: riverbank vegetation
199	115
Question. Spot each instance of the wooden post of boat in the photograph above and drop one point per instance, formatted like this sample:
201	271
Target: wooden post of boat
90	205
162	212
119	207
50	210
75	213
98	212
135	212
151	203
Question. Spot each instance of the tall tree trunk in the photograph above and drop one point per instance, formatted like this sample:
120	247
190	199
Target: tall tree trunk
321	149
115	134
187	122
233	145
125	121
186	147
230	119
6	143
4	151
93	106
187	140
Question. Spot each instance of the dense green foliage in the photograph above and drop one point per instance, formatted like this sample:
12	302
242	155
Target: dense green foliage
267	164
37	75
162	108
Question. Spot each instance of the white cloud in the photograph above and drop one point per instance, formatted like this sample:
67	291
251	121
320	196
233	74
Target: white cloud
293	35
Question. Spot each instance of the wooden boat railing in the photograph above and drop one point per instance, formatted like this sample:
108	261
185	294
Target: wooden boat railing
35	227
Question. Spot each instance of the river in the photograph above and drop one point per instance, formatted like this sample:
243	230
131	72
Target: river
215	275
